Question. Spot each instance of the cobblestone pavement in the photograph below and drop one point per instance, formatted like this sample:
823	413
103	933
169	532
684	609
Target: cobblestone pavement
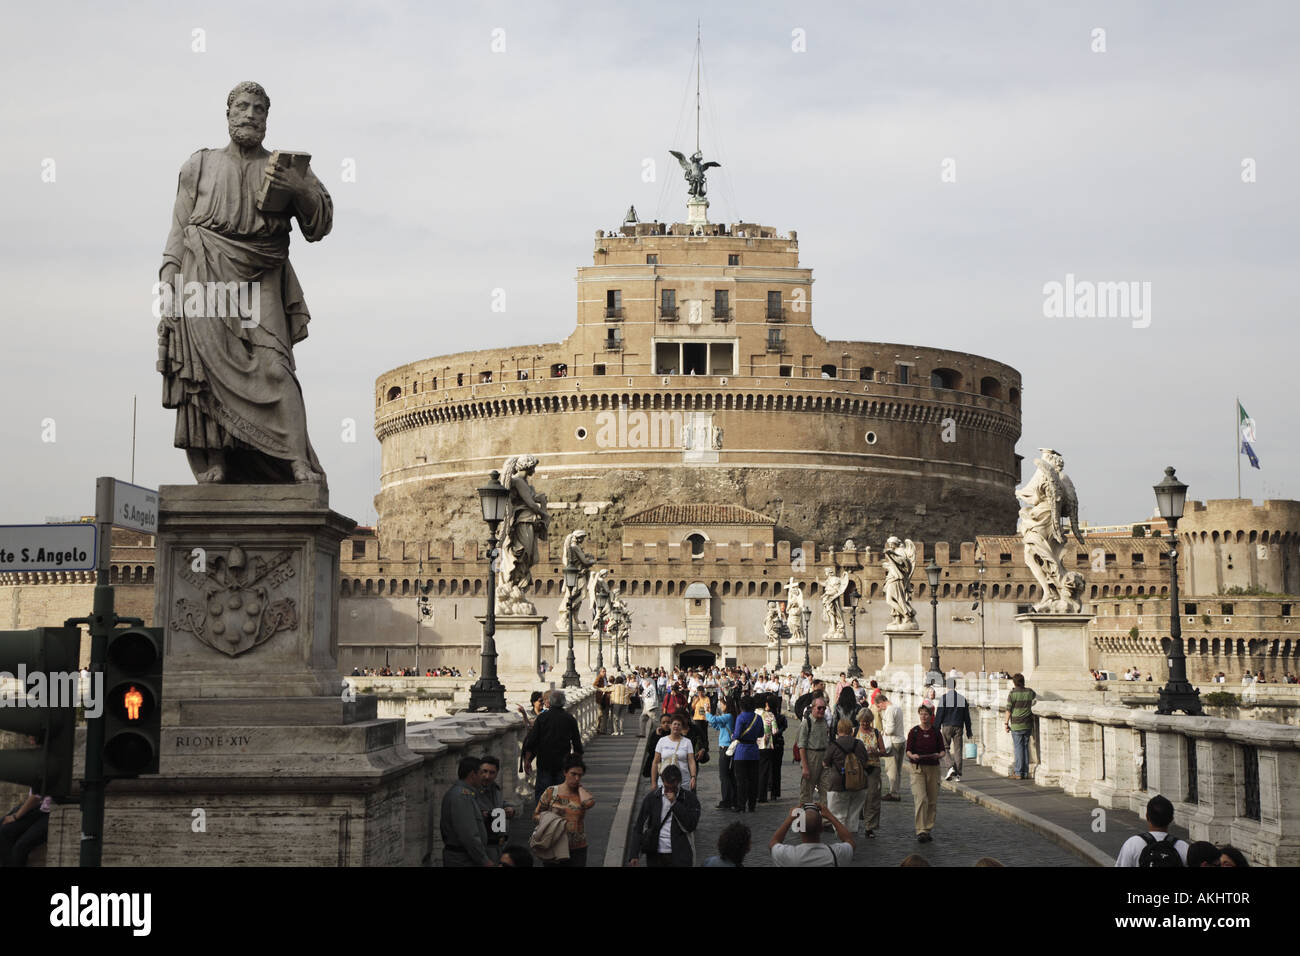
963	831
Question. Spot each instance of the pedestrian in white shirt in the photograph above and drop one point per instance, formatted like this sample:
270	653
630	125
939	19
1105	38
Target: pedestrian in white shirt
1151	848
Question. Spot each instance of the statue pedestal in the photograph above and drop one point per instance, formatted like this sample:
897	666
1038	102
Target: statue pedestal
1055	651
519	648
697	212
265	759
584	653
835	654
903	650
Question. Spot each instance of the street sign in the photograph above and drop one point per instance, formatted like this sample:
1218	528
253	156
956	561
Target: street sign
134	507
48	547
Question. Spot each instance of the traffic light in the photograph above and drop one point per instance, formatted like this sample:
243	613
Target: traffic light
133	671
39	698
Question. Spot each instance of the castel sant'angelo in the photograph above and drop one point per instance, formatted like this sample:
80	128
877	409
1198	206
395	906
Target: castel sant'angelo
695	377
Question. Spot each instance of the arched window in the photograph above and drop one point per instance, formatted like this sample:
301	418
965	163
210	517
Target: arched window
991	387
394	393
696	541
945	378
829	371
1014	395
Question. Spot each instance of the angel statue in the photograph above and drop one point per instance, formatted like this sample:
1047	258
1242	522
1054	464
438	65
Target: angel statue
899	563
575	556
1046	501
598	599
794	612
526	523
833	589
772	623
694	170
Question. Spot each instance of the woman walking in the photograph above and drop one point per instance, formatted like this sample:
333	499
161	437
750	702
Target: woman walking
676	749
571	800
749	728
874	743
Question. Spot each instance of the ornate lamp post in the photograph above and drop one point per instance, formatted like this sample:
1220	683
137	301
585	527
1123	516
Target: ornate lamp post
932	575
488	693
781	627
600	639
1178	693
807	639
851	603
571	678
983	663
619	624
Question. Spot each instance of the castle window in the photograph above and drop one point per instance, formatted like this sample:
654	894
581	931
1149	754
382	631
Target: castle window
358	550
1286	610
394	393
774	311
522	375
828	371
721	304
668	303
785	371
903	373
614	304
695	357
1137	558
696	541
598	370
1004	558
1227	609
1189	608
651	259
460	379
866	374
1014	395
733	260
559	370
945	378
485	377
991	387
435	383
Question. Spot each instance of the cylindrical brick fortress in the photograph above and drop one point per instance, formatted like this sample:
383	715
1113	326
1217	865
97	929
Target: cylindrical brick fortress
695	376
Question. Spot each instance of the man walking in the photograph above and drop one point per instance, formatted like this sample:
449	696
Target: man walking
814	735
810	851
668	817
492	804
924	748
1155	847
954	722
554	735
649	706
464	837
891	728
1020	703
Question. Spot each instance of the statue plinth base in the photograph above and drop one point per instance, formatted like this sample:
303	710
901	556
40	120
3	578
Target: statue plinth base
697	212
519	648
264	759
247	591
584	653
1055	650
835	653
903	649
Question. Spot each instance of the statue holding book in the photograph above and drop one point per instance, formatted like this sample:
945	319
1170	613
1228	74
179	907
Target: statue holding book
231	306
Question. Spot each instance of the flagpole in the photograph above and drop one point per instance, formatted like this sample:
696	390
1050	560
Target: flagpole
1236	424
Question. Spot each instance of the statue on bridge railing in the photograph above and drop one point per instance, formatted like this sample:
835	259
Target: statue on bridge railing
833	589
575	556
794	612
899	563
527	522
772	623
598	599
1046	501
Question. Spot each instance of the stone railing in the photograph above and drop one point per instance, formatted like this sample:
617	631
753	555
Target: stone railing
442	742
1230	781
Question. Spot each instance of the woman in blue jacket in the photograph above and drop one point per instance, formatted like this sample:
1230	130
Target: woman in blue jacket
744	763
724	723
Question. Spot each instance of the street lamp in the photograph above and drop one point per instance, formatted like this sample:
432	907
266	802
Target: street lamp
983	663
781	627
851	603
571	678
932	575
618	630
807	639
488	693
1178	693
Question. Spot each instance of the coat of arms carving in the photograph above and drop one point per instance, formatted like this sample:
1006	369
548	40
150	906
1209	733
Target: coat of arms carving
234	608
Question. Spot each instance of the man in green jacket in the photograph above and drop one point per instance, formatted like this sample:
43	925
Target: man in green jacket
1020	721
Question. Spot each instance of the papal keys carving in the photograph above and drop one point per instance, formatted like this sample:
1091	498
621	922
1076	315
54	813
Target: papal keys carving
234	606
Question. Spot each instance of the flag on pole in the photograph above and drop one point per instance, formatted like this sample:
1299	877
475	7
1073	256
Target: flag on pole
1247	435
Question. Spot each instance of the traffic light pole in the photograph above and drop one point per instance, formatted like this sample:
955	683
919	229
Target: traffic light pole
102	621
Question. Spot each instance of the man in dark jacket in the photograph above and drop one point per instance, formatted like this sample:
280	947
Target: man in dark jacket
954	720
554	736
669	815
801	705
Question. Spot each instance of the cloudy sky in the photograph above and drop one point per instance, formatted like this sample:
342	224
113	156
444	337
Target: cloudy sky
479	169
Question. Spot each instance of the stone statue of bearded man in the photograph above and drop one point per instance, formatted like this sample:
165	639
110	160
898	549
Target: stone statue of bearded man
225	346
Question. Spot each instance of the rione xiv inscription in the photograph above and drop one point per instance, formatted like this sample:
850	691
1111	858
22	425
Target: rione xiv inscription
233	607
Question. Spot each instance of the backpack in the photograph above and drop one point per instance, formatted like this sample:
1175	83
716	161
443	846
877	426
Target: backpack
1159	852
855	776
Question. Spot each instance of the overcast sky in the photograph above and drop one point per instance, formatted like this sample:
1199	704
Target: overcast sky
478	170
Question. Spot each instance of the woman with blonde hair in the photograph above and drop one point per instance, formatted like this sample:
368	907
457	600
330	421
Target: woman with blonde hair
874	744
